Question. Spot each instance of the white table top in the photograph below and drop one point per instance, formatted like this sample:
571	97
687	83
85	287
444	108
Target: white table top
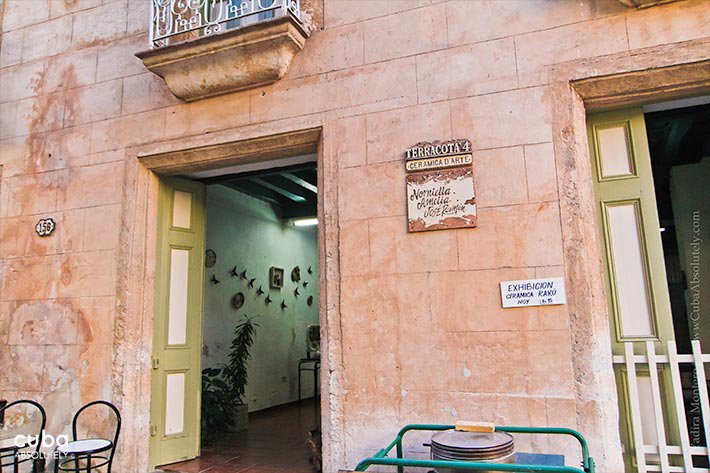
85	446
21	440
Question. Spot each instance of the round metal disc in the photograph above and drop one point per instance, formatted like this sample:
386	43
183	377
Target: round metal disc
471	440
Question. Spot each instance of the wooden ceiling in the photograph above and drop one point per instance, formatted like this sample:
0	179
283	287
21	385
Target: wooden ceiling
292	190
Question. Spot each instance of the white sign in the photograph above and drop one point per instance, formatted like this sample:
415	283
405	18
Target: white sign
532	292
438	162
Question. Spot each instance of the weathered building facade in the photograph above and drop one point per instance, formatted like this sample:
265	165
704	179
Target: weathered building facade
412	323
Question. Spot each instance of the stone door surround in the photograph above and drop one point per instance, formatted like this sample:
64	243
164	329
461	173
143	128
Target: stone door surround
621	80
145	164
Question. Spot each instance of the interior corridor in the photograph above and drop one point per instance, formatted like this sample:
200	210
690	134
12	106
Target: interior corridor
276	442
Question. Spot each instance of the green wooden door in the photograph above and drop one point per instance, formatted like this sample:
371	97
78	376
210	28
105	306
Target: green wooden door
637	289
177	323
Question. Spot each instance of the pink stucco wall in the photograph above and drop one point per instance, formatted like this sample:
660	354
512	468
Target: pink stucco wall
423	334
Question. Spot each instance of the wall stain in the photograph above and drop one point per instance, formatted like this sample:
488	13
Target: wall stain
65	272
38	149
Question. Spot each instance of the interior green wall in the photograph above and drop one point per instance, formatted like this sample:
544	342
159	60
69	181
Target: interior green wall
245	232
690	195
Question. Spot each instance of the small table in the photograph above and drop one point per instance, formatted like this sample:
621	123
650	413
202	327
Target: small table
315	368
83	450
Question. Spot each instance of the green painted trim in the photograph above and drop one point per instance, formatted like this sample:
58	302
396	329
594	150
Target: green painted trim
184	358
629	150
639	189
611	268
381	458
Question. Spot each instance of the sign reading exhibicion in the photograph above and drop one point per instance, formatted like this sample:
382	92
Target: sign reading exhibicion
440	192
533	292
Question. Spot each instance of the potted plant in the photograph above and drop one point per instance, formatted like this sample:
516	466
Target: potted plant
223	405
235	372
218	407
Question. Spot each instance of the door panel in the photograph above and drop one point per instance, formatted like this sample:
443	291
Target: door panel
177	323
626	206
628	270
637	289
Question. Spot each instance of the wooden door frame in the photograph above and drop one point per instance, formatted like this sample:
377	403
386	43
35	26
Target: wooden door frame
145	165
622	80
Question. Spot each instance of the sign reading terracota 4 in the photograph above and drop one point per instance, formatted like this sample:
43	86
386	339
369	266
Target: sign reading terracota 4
440	191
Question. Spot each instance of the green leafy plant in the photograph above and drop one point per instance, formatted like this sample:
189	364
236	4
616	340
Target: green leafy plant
223	388
218	406
235	372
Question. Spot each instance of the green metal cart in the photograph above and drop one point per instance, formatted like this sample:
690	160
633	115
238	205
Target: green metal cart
400	462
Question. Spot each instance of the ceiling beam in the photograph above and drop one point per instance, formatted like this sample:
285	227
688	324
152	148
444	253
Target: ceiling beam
279	190
258	173
292	187
254	191
300	182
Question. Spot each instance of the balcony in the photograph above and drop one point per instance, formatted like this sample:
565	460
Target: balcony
644	3
204	48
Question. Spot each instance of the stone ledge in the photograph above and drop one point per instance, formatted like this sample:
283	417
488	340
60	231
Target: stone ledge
644	3
239	59
193	158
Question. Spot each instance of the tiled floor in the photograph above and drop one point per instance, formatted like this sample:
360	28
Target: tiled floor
274	443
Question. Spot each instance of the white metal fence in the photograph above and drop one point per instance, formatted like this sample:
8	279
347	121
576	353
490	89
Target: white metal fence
648	402
178	20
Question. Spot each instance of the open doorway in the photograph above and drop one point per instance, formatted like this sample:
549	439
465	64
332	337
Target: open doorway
679	145
651	171
260	348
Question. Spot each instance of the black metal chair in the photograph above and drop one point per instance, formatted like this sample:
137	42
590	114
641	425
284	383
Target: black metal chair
312	359
21	448
80	455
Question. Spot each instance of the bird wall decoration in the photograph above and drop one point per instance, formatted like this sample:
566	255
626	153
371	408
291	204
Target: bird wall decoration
305	284
215	280
259	291
296	293
243	274
251	282
310	271
233	272
283	305
267	300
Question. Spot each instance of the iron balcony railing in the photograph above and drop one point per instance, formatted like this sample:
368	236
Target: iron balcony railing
174	21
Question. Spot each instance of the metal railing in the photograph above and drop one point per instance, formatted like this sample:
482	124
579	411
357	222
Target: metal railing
650	405
382	458
175	21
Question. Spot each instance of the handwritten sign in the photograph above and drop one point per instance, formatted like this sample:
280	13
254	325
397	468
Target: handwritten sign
532	292
440	192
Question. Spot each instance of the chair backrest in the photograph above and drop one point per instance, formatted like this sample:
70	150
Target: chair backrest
118	424
40	409
313	340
